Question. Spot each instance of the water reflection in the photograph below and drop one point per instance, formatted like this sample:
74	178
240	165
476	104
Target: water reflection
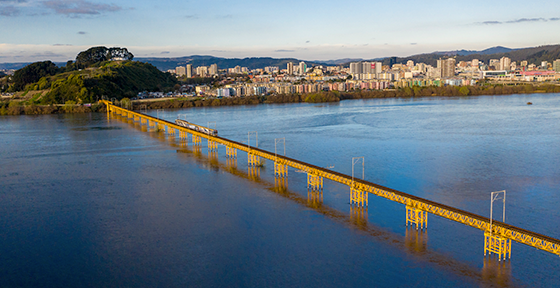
315	198
498	272
281	184
416	240
359	215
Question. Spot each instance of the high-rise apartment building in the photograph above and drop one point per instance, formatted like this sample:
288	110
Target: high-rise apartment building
189	71
505	63
213	69
290	68
355	68
446	67
556	65
180	71
377	68
202	71
302	68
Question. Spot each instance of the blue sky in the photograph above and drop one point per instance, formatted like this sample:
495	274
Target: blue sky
33	30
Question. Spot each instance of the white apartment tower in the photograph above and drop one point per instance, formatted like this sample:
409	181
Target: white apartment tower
505	63
189	71
213	69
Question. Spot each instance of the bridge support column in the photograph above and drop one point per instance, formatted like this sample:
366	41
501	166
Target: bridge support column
143	120
196	140
496	244
280	170
231	153
314	182
254	160
184	138
171	131
417	217
212	146
358	197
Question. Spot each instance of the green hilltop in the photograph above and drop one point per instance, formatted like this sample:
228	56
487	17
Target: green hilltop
97	72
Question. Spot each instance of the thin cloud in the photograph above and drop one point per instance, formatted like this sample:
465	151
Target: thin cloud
192	16
79	7
9	11
59	45
491	22
82	32
413	44
527	20
164	52
283	50
520	20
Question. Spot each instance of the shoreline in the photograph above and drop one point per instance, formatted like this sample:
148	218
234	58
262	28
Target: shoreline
14	108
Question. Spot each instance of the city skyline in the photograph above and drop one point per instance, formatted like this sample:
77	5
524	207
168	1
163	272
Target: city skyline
58	29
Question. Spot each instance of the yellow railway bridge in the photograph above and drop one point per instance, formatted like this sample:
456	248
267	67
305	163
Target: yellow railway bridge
497	235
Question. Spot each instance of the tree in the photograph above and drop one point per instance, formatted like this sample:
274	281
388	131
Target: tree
32	73
99	54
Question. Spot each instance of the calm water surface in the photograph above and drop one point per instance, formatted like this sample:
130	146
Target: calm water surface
97	202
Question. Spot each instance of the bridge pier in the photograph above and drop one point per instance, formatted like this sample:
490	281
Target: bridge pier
417	217
358	197
183	136
280	170
254	160
231	153
314	182
212	146
498	245
197	140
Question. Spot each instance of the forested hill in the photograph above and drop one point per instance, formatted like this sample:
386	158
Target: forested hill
97	72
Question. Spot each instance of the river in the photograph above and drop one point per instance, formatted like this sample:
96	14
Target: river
92	201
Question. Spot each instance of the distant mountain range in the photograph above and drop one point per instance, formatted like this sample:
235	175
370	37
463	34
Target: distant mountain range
533	55
197	60
489	51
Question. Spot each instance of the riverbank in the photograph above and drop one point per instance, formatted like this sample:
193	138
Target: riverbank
336	96
19	108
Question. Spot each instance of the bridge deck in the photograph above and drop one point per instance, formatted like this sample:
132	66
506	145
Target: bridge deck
517	234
